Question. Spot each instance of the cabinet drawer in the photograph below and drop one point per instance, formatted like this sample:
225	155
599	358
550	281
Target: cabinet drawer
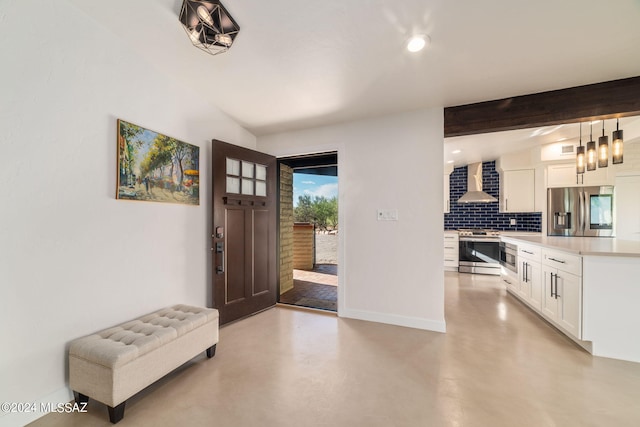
563	261
450	262
530	252
450	246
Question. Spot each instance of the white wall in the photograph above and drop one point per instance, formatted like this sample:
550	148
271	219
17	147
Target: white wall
72	258
390	272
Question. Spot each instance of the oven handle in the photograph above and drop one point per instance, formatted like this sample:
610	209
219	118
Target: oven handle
480	239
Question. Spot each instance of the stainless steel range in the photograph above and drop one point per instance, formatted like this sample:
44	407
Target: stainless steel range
479	251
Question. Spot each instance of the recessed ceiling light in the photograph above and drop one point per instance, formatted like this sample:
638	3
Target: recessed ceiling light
456	151
417	43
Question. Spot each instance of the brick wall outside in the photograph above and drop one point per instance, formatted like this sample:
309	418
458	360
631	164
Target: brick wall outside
286	228
303	250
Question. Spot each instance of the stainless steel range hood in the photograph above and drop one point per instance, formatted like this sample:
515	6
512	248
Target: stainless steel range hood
474	192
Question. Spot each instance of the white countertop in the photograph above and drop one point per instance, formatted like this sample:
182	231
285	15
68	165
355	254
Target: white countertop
520	233
596	246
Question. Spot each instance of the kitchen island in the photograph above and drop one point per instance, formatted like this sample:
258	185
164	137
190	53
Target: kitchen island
606	277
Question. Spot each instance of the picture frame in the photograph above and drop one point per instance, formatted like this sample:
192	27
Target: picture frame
155	167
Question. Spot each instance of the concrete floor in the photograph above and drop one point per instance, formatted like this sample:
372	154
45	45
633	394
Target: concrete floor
498	365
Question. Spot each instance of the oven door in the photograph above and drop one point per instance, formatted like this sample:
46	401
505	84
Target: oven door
479	255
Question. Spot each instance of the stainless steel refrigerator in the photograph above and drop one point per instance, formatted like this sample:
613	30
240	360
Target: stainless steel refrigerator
580	211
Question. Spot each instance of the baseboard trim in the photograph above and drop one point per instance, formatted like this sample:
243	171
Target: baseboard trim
393	319
14	419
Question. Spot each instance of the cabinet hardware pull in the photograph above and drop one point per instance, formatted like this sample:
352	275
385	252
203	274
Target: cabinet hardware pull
557	287
551	285
557	260
526	252
449	247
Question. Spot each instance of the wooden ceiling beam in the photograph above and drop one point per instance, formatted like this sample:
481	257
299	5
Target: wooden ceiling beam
599	101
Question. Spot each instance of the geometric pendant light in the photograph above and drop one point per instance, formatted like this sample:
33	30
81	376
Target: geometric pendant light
209	26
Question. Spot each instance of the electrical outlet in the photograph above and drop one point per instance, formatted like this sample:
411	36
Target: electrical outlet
513	221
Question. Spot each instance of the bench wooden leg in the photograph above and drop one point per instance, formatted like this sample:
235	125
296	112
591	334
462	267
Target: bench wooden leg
116	414
80	398
211	351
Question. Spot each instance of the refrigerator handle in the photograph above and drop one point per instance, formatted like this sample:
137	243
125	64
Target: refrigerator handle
582	213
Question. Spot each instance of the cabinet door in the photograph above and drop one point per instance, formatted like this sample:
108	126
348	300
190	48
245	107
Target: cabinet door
523	290
570	303
549	301
563	175
534	277
627	200
518	191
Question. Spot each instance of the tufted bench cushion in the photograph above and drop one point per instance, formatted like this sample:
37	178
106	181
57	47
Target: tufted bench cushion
112	365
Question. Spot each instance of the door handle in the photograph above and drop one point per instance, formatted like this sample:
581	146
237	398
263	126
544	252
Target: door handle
220	250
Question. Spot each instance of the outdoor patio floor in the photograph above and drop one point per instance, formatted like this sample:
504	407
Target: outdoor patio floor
315	288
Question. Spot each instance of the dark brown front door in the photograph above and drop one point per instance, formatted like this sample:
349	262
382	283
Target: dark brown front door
244	231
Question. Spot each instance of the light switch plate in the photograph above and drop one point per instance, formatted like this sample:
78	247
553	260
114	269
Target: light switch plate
387	214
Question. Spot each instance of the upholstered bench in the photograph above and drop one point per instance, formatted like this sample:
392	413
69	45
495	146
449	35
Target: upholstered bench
112	365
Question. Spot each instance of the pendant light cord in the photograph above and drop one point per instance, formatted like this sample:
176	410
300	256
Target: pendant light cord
580	134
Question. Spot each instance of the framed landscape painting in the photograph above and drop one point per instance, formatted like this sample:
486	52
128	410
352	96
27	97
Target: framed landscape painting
156	168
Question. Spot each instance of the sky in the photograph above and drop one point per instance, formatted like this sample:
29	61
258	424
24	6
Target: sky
314	185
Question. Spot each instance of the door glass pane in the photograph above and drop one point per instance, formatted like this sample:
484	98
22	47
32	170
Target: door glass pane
233	185
247	170
261	172
261	188
247	187
233	167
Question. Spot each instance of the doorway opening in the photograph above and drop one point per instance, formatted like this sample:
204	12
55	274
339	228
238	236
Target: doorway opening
309	231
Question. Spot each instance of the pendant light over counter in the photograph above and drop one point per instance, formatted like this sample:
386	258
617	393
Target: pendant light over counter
603	149
599	157
618	144
580	155
591	151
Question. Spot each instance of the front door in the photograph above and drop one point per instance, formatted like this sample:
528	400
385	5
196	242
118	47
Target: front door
244	231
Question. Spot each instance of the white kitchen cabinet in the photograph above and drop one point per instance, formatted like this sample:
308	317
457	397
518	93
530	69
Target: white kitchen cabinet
447	194
562	291
517	191
627	199
510	280
564	175
530	268
451	250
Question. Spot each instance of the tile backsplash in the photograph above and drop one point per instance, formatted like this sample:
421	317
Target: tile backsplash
484	215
